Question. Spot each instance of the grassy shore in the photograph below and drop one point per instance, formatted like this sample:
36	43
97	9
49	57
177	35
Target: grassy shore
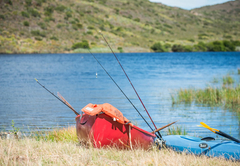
60	147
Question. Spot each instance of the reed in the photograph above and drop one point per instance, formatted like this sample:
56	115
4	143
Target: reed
176	131
228	80
226	96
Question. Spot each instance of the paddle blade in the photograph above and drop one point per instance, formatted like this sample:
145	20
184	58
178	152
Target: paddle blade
65	101
163	127
207	127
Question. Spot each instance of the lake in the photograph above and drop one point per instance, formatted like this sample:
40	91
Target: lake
81	80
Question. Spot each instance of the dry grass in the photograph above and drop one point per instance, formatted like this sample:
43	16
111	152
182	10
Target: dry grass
30	151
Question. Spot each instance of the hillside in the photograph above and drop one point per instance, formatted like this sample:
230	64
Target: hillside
41	26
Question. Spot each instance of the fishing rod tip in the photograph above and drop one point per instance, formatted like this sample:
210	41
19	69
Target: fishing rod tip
36	79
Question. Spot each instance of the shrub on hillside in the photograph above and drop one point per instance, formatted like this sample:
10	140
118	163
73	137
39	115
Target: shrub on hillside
54	38
26	23
158	47
136	19
68	14
34	12
60	8
48	11
177	48
38	38
42	25
229	45
28	2
83	44
120	49
25	14
38	33
216	46
8	2
200	47
38	2
2	17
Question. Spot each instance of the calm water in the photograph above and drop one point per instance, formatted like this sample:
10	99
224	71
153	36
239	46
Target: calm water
154	75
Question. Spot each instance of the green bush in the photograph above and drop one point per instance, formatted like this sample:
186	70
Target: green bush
229	45
168	26
8	2
137	19
48	19
60	8
54	38
48	11
38	38
79	25
60	26
26	23
34	12
177	48
91	27
200	47
103	2
120	49
2	17
191	40
90	32
42	25
235	43
216	46
83	44
158	47
28	2
68	14
25	14
188	48
39	2
38	33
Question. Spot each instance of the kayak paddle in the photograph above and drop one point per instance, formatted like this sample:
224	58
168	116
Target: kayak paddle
163	127
219	132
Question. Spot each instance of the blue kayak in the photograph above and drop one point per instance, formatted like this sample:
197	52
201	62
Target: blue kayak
206	146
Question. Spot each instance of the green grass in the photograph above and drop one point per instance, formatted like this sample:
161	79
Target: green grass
226	96
57	135
176	131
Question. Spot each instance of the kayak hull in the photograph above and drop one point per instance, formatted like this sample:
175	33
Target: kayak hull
211	148
103	131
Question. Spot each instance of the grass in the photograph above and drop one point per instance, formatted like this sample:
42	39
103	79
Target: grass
176	131
57	135
226	96
58	148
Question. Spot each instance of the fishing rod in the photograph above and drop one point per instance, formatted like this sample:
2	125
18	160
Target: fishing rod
61	98
130	83
120	89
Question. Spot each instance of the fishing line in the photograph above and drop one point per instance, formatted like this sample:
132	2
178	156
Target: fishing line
120	89
131	84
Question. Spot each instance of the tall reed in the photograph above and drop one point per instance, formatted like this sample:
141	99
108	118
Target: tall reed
227	96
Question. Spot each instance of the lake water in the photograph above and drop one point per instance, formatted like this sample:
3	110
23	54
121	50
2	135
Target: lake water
154	75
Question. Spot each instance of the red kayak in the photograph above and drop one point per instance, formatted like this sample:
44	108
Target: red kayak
104	125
